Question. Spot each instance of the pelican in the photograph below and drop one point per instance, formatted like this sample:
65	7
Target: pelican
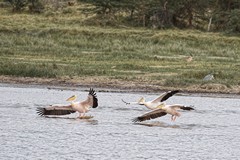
80	107
162	110
156	103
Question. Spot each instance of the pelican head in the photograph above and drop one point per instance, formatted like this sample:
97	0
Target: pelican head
141	101
72	98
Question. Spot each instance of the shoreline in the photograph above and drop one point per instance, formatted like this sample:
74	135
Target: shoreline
104	84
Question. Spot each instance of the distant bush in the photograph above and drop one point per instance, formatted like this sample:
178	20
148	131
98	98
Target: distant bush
228	21
33	5
222	15
17	5
4	4
233	24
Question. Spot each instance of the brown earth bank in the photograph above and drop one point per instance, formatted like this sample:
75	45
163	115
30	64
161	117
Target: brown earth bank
114	85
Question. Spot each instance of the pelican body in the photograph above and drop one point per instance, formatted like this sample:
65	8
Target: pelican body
159	107
156	103
162	111
80	107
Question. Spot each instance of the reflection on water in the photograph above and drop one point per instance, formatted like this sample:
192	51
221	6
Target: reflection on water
89	119
210	132
180	126
159	124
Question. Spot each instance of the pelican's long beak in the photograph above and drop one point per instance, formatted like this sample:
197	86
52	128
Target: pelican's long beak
72	98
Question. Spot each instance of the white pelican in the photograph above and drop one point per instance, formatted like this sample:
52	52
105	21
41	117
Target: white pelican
80	107
156	103
162	110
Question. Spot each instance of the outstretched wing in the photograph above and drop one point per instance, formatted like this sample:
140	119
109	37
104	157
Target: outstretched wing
93	101
150	115
165	96
55	110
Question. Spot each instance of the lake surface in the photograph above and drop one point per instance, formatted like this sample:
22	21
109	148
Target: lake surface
212	131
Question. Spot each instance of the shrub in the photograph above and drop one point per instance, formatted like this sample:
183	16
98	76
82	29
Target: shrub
17	5
228	21
33	5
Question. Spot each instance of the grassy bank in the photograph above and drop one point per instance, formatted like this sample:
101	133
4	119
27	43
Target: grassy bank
59	45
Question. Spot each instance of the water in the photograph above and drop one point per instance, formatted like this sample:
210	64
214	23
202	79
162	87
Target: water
210	132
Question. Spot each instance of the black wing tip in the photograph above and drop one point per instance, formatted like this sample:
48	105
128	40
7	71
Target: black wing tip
95	100
41	111
95	105
169	94
175	91
135	120
188	108
92	92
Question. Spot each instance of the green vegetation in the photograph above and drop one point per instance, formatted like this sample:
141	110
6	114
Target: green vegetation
60	44
214	15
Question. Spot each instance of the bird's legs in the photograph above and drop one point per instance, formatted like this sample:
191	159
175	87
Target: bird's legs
173	118
82	115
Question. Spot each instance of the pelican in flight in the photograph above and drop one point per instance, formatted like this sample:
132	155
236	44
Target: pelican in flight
156	103
80	107
162	110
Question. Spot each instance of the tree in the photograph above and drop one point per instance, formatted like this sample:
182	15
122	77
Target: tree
226	16
198	14
35	6
17	5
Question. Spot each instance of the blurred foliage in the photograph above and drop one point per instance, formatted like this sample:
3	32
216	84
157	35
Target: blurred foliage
20	5
208	15
222	15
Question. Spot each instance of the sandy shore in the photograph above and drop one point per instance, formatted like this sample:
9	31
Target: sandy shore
106	84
